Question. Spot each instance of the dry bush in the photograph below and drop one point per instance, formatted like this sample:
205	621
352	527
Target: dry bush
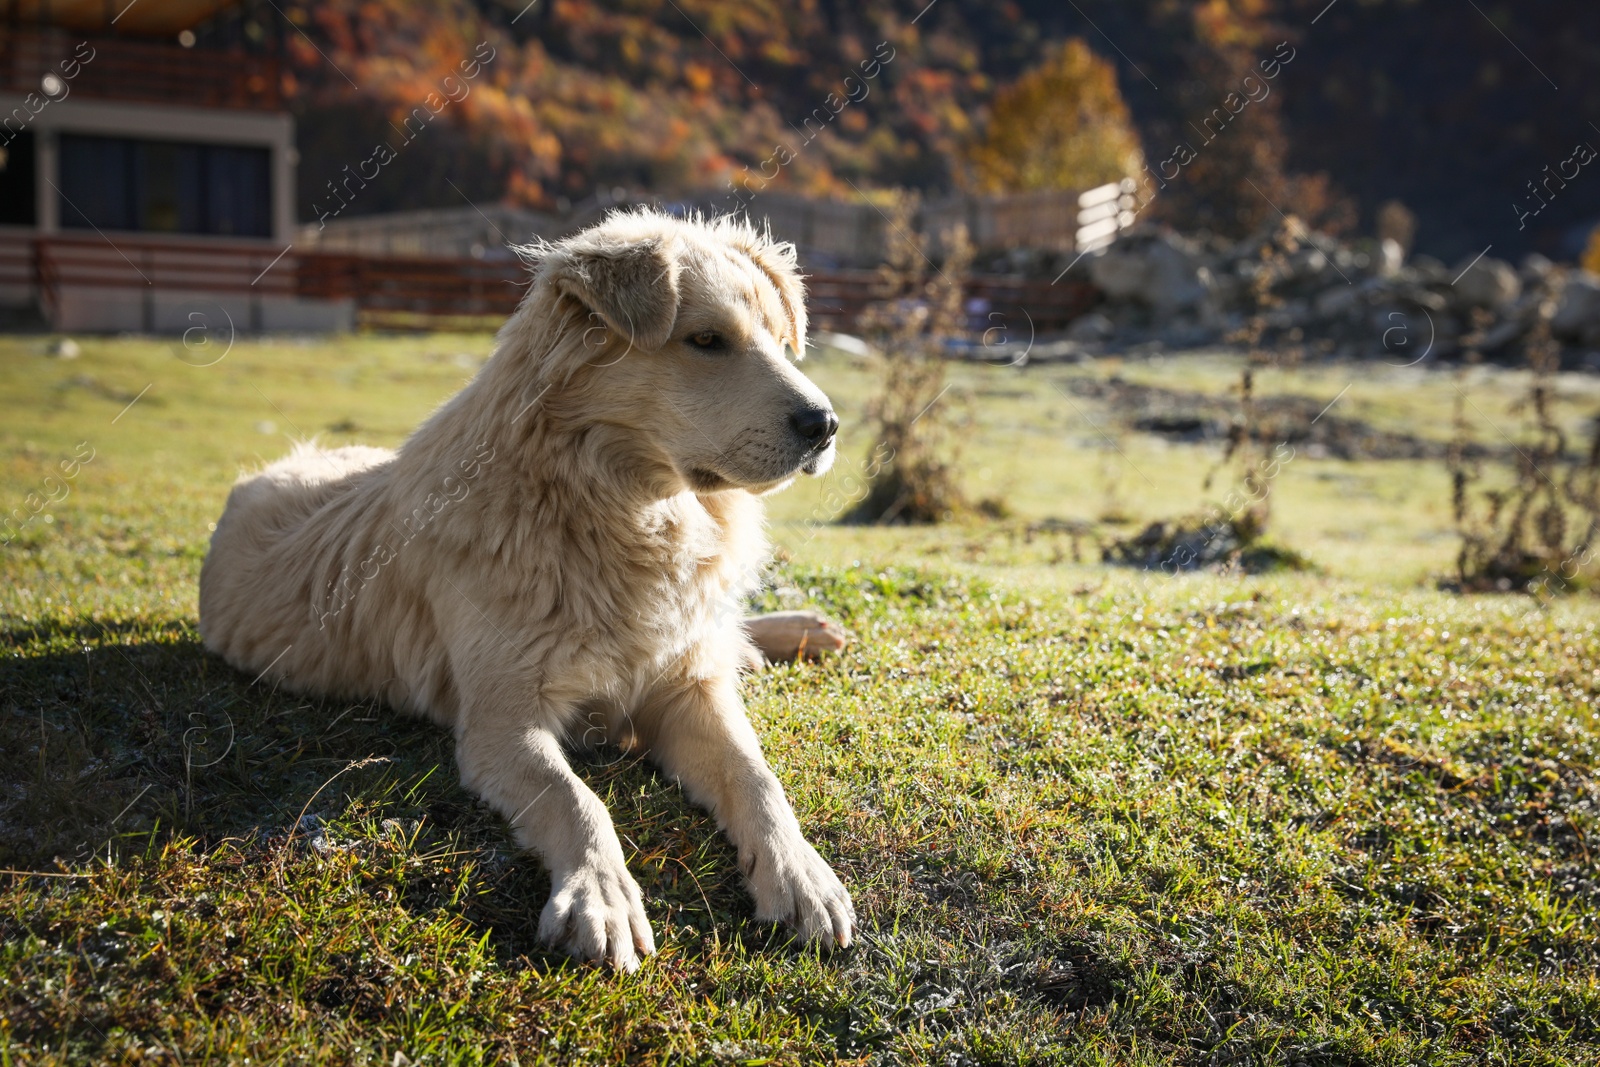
1537	534
1114	508
1247	448
1397	223
919	308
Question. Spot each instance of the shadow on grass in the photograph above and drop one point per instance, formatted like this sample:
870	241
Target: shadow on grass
140	738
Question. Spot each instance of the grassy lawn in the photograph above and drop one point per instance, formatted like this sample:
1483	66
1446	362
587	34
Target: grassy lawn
1088	815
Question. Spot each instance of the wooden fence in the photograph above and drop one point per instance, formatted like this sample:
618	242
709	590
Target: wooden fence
399	293
73	279
830	234
92	262
393	292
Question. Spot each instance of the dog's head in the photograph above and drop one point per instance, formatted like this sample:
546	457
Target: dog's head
675	333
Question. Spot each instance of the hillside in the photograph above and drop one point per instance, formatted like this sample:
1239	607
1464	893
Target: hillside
1450	109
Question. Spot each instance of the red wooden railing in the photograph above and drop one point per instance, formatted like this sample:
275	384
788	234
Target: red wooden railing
47	265
409	293
836	299
130	70
397	292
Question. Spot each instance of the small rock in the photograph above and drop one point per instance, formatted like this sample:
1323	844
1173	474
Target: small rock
1503	333
1308	263
65	348
1391	257
1094	326
826	343
1422	298
1429	269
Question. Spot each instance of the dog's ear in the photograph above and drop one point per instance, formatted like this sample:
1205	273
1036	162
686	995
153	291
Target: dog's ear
780	263
778	260
632	287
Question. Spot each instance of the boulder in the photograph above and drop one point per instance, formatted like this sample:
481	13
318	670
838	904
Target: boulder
1288	315
1177	278
1535	268
1337	301
1502	333
1487	283
1119	273
1577	316
1161	271
1367	297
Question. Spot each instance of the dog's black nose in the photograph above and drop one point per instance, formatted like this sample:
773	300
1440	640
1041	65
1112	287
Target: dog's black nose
816	425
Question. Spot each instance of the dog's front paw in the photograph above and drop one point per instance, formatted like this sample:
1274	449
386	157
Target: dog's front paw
793	885
596	913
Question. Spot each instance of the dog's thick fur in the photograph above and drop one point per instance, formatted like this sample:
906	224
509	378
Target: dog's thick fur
558	555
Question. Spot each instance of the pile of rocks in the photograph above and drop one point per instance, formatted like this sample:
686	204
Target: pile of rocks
1351	299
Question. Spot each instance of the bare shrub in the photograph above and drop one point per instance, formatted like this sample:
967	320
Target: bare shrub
1231	533
1537	534
919	309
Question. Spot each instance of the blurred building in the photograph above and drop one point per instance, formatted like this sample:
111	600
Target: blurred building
147	177
147	168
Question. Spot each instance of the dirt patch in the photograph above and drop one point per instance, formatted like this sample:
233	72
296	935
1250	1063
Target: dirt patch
1179	415
1200	542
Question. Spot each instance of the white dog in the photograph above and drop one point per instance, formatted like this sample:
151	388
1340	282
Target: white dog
560	551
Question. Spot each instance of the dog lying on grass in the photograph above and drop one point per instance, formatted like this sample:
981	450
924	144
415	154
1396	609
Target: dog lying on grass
560	552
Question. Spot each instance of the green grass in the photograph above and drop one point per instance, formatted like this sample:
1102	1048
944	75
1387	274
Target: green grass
1088	815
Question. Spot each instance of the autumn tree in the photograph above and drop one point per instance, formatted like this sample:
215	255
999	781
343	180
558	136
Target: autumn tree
1222	150
1062	125
1591	253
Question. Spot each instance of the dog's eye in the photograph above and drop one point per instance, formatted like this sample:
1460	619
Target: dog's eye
706	339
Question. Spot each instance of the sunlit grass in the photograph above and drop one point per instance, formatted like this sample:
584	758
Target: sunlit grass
1088	815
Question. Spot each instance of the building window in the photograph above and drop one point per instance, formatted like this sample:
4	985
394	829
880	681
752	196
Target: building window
16	180
118	183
